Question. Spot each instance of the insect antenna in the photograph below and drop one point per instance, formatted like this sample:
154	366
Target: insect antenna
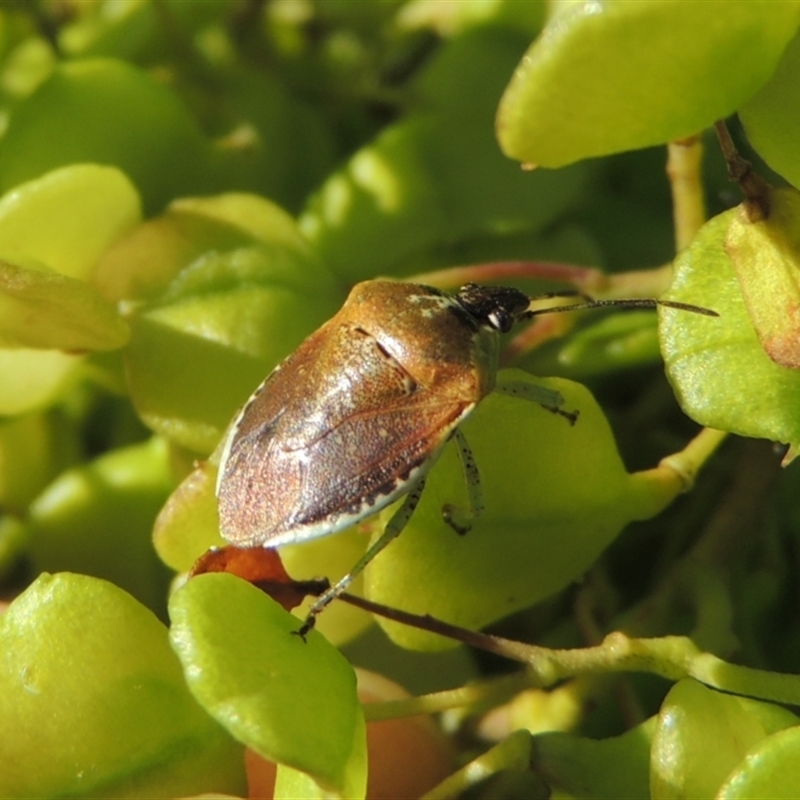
588	303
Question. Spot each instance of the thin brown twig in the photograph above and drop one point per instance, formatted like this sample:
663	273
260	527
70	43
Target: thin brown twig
672	657
754	188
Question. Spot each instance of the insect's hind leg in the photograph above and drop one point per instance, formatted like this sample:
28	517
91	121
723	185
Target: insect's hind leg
462	519
392	530
549	399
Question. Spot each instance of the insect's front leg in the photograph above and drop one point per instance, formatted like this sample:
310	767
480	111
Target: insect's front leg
462	519
549	399
392	530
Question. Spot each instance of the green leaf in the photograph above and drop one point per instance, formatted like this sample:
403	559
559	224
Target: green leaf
556	496
13	539
770	769
410	190
33	379
611	76
26	65
720	373
108	112
771	717
511	755
291	784
701	736
188	524
766	256
67	218
201	346
467	74
453	19
136	30
772	116
97	519
63	220
34	448
284	148
292	701
93	702
621	341
141	265
46	310
259	219
617	767
381	207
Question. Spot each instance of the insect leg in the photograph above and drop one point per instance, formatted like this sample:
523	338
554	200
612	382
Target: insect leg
459	519
548	399
392	530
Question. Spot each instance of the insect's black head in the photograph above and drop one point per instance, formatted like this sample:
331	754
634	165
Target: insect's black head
496	307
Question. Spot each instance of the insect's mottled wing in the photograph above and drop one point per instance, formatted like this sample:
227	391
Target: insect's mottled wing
329	438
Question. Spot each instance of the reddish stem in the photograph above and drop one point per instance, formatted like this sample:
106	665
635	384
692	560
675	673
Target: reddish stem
583	278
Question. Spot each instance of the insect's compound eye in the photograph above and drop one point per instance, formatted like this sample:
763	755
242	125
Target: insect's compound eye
500	320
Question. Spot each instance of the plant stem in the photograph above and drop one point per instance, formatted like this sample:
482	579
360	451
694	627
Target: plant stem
688	462
586	279
684	158
672	657
513	753
482	694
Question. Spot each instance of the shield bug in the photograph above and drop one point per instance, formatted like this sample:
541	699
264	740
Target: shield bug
357	415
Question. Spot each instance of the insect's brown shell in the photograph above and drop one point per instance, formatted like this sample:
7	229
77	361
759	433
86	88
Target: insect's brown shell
335	431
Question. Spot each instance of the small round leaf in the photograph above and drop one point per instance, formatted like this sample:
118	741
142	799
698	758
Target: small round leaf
66	218
93	702
46	310
770	769
772	116
107	112
701	736
675	68
292	701
97	519
720	373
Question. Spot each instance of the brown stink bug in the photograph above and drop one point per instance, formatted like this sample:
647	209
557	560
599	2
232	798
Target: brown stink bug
357	415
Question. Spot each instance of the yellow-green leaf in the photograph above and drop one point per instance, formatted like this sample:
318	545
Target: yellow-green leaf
610	76
67	218
43	309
